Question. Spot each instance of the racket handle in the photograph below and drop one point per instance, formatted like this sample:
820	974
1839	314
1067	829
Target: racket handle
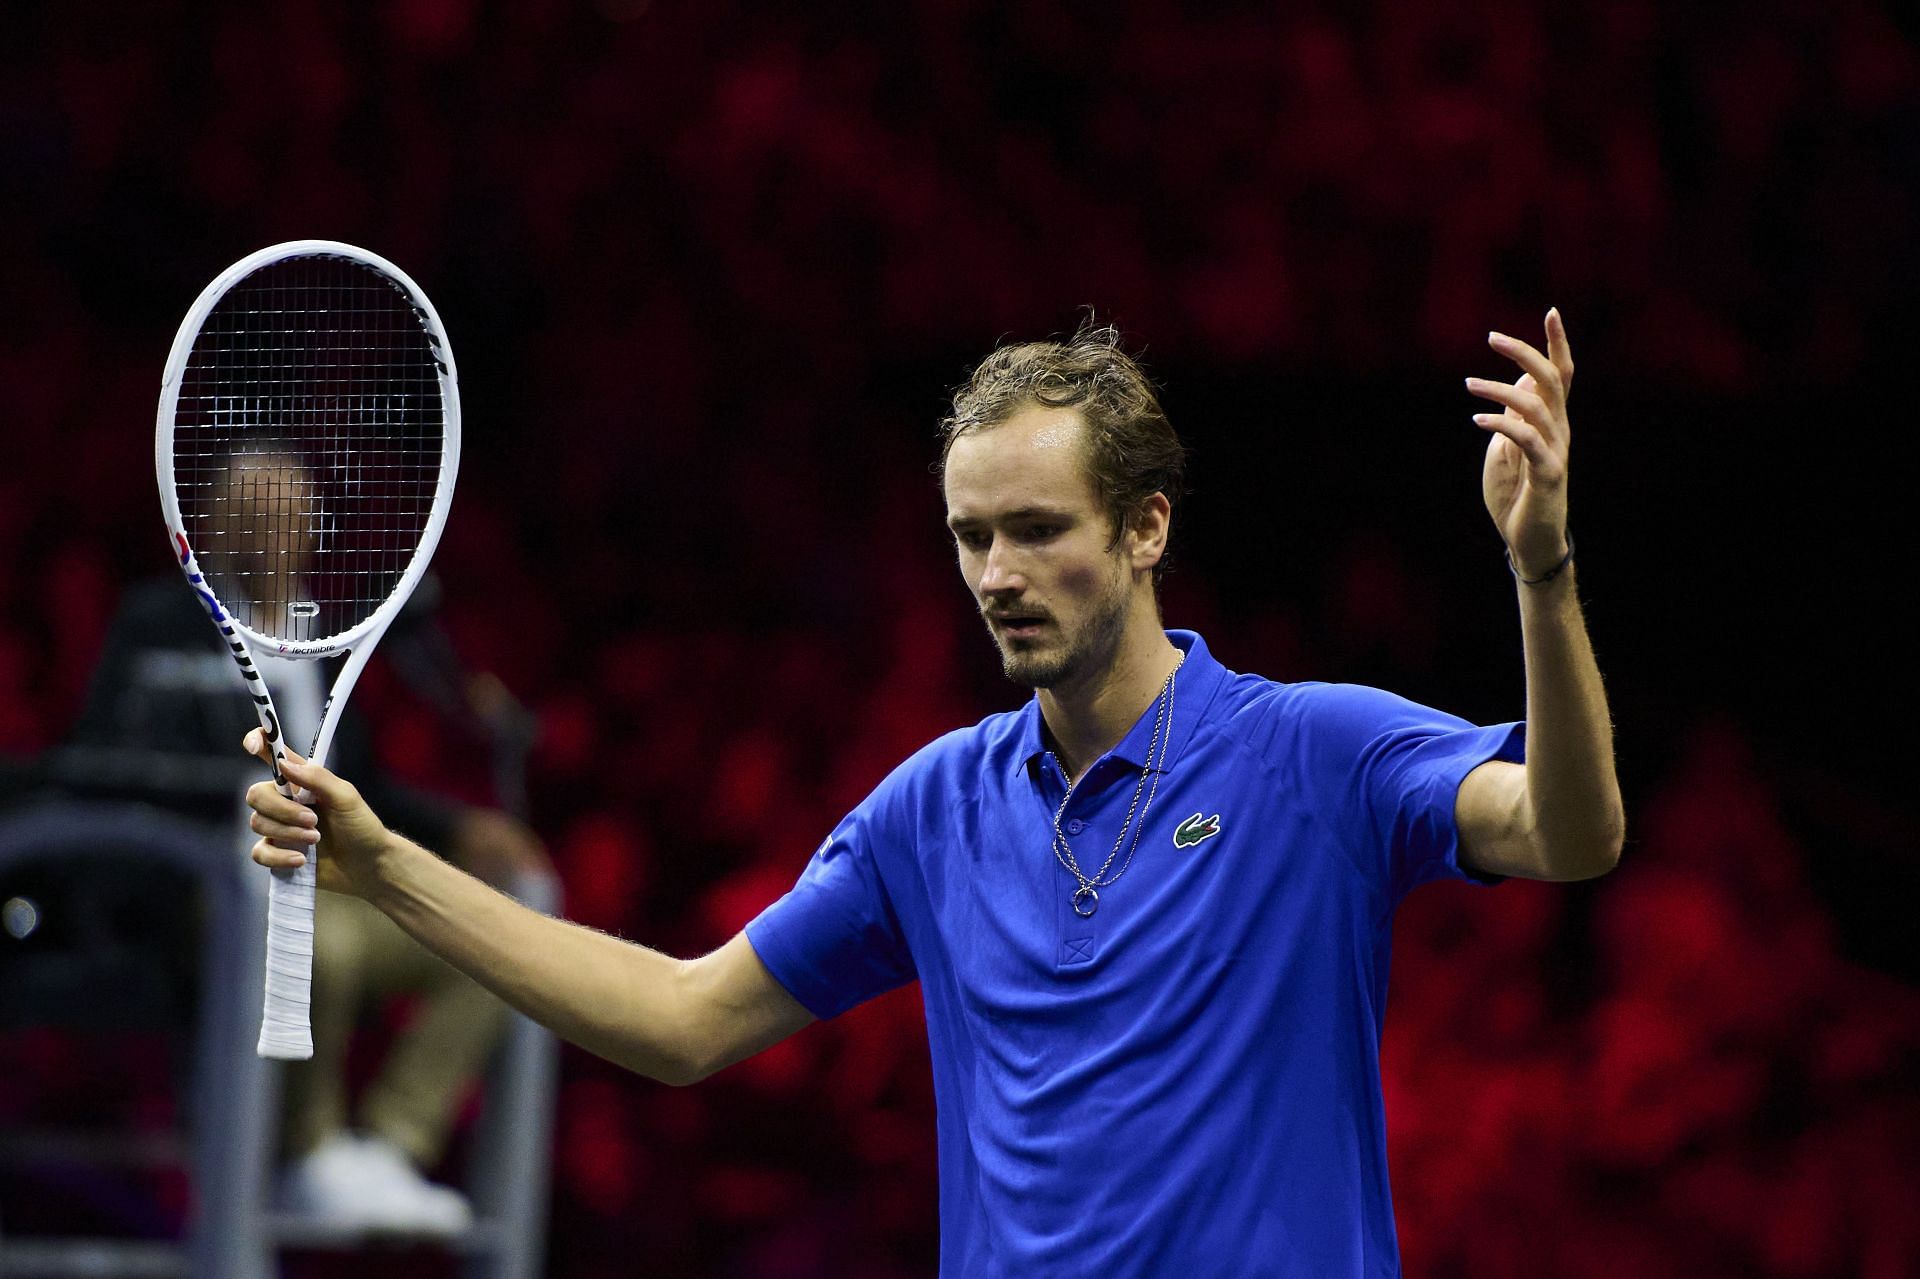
286	1023
286	1029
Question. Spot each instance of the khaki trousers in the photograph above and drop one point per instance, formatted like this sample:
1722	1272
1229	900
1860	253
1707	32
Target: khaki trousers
359	957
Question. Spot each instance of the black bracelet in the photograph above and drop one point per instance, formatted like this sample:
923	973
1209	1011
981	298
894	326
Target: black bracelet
1551	573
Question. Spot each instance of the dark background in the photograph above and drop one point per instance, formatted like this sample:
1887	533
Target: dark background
709	271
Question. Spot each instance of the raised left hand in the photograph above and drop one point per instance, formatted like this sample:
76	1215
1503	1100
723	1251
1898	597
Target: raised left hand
1525	478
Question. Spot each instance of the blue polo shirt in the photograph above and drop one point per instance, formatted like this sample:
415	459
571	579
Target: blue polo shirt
1188	1081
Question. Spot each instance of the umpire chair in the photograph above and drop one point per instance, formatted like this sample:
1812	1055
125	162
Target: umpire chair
98	807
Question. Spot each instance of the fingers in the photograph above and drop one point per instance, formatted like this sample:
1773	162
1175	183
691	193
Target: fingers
289	823
1558	349
1545	372
1518	398
286	826
275	858
1528	438
265	799
326	787
255	744
1536	403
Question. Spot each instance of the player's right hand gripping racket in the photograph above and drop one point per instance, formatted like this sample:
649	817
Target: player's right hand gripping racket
308	437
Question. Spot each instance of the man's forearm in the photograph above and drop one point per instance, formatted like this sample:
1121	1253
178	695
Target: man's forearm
615	999
1572	791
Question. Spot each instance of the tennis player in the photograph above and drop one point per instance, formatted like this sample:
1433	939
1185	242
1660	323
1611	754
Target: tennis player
1150	910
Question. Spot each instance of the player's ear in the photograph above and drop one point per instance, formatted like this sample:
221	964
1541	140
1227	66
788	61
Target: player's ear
1147	532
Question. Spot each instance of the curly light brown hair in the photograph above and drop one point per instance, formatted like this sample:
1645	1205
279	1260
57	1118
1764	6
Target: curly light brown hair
1132	452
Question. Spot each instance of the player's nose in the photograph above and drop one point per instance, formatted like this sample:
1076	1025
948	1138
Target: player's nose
1002	573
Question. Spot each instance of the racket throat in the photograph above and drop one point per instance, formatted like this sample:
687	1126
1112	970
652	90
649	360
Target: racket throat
353	661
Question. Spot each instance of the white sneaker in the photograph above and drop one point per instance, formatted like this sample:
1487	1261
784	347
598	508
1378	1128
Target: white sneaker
368	1183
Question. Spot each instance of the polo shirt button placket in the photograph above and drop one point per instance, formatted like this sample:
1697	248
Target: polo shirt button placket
1080	934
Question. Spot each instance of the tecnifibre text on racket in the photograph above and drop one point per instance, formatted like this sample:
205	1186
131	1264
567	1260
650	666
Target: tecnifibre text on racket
306	447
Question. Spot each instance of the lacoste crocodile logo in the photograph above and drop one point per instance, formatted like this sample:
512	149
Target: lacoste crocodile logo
1195	829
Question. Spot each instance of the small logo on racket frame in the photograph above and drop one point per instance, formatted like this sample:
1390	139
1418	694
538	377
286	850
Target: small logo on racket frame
1196	829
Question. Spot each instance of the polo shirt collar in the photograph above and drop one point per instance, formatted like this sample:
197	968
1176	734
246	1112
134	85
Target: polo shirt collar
1200	678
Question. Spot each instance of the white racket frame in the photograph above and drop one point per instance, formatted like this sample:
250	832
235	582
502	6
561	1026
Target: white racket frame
286	1030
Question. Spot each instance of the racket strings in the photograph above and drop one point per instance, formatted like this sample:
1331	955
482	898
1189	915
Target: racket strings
308	438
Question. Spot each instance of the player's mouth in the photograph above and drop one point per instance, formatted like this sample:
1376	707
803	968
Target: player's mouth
1020	626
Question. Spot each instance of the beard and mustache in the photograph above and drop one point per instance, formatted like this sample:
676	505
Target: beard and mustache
1087	649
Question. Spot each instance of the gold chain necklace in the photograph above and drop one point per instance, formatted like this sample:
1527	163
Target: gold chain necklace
1086	898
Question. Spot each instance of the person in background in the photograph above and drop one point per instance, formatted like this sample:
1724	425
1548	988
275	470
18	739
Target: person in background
165	683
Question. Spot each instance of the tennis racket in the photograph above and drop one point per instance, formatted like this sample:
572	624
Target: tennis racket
306	447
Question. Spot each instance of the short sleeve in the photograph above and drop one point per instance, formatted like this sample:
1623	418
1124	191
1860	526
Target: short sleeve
835	940
1403	765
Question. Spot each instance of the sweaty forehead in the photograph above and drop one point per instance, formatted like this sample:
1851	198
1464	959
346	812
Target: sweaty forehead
1035	459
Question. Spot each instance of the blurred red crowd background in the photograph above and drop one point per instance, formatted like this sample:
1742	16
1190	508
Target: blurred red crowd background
709	270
